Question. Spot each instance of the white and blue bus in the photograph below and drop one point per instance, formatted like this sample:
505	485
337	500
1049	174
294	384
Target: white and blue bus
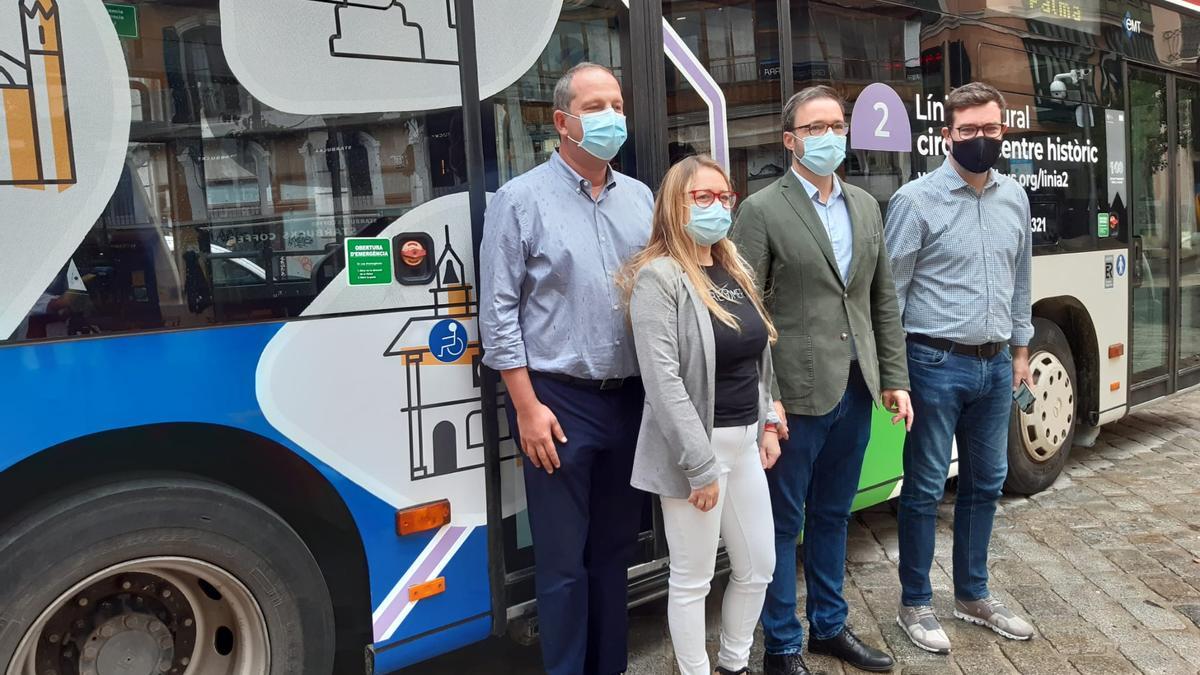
244	426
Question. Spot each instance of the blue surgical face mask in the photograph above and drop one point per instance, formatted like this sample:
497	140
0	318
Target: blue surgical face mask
709	224
823	154
603	133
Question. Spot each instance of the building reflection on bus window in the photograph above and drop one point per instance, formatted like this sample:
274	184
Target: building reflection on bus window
850	46
1187	180
738	42
228	210
587	30
1066	139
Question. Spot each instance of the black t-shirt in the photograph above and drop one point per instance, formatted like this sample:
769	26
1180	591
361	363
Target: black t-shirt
738	353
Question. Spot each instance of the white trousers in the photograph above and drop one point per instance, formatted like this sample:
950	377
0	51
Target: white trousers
742	517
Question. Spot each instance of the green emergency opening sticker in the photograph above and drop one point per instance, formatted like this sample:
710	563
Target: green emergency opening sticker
124	18
368	261
1101	224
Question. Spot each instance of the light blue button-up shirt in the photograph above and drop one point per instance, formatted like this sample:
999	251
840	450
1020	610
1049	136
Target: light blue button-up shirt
835	215
549	262
962	260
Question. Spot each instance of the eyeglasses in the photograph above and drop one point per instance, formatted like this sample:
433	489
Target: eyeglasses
819	128
969	131
705	198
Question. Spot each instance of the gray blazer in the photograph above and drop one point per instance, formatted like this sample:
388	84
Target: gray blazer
673	335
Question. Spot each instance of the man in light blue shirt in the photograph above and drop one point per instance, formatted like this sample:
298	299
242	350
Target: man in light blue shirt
961	249
554	325
836	217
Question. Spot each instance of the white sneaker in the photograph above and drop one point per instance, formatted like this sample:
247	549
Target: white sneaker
922	627
992	613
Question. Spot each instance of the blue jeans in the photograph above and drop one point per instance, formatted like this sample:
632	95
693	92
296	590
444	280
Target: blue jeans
816	474
970	399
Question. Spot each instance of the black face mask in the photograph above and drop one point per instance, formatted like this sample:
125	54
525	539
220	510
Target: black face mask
977	155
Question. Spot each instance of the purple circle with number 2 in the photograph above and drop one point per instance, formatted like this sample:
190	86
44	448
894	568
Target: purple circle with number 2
879	121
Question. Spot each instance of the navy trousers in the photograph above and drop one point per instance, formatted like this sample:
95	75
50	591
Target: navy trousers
585	519
812	489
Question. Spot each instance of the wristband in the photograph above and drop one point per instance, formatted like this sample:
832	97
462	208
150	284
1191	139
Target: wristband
770	426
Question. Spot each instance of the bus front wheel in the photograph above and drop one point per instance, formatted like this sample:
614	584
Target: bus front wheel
1039	442
167	575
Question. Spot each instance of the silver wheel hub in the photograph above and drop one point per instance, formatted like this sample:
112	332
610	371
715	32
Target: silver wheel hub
1045	430
128	644
153	616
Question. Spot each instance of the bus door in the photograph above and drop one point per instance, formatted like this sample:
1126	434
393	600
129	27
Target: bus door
518	135
1165	254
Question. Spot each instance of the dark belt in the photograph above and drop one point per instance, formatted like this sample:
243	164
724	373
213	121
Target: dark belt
600	385
984	351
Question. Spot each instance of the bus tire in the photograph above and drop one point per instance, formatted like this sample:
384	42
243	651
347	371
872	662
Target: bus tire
161	574
1039	443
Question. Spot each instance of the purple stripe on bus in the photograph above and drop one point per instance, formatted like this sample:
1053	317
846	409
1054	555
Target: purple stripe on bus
687	61
420	576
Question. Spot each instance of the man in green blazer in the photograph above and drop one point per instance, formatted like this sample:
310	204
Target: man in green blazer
815	244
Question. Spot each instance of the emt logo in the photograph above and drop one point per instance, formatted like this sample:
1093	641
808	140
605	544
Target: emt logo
1132	26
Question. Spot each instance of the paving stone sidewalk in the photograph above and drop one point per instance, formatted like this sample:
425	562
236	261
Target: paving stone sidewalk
1106	564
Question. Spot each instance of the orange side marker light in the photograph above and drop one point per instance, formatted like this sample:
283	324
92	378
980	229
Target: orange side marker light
423	517
1116	351
426	590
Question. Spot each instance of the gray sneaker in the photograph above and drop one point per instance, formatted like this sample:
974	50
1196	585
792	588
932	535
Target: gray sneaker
922	627
992	613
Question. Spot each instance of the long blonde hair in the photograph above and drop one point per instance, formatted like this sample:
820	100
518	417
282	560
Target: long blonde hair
669	238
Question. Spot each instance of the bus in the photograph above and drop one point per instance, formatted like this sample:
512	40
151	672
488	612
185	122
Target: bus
245	423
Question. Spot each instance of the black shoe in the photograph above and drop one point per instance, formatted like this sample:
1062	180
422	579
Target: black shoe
847	647
722	670
784	664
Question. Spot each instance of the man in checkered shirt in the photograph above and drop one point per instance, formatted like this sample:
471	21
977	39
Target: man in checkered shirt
960	247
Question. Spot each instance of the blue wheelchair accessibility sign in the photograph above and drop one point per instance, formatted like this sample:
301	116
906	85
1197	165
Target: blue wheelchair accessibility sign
1120	265
448	340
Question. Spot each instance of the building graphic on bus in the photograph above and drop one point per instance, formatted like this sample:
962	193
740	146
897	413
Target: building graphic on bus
444	427
36	149
416	31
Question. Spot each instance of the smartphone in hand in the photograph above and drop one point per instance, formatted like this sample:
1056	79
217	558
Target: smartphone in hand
1024	398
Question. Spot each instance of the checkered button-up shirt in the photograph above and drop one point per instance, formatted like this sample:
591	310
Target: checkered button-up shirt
550	255
962	260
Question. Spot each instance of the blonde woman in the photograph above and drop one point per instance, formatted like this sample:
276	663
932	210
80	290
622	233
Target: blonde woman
707	433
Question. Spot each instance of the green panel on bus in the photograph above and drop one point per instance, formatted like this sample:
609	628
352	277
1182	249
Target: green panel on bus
884	463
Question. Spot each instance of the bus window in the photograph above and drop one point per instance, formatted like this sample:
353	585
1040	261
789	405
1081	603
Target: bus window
1187	179
852	46
588	30
738	42
524	136
1058	145
230	211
